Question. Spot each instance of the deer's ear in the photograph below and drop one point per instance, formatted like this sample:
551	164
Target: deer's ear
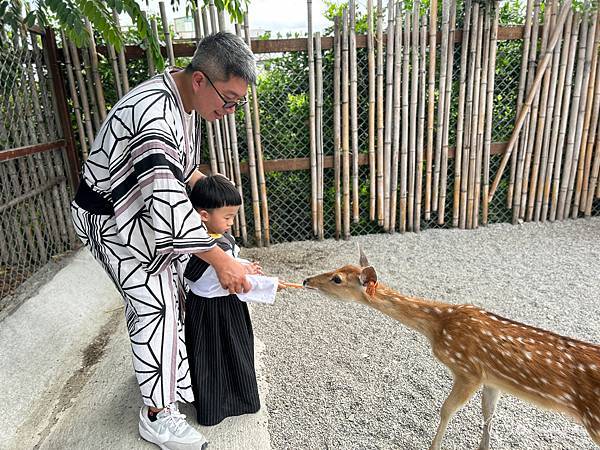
363	261
368	275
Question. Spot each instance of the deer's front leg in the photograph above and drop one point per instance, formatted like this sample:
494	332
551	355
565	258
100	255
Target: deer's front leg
462	390
489	399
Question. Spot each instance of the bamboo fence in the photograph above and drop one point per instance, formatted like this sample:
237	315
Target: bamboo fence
428	143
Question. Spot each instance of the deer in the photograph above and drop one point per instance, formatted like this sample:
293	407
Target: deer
481	348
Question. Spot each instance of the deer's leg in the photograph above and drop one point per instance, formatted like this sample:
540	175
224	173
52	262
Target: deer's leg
462	390
489	399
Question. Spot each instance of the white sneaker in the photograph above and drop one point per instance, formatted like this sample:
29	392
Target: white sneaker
170	431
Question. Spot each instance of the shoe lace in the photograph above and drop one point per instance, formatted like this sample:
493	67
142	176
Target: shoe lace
173	419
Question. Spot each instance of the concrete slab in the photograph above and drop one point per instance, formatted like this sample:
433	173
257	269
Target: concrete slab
67	378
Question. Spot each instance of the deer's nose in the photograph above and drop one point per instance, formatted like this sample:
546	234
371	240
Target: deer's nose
305	283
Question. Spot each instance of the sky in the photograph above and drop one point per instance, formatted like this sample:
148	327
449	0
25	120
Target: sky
281	16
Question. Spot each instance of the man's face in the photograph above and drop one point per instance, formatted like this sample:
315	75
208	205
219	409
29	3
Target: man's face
211	95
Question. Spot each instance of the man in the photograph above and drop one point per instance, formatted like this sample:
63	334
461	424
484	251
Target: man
133	213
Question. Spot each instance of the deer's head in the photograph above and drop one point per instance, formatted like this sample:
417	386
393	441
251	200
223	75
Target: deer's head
349	283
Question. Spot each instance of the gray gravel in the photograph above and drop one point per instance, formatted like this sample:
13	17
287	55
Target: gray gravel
344	376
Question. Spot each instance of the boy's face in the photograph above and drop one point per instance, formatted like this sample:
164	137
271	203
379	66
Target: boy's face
219	220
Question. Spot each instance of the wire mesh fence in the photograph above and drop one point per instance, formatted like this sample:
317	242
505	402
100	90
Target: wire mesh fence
35	225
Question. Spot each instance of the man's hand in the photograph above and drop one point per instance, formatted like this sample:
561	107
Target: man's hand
231	273
253	268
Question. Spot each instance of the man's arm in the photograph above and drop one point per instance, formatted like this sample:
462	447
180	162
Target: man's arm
231	273
196	175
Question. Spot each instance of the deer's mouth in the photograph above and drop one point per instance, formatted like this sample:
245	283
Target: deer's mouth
308	286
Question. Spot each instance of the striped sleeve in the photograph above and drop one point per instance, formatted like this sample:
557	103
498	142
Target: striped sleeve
153	213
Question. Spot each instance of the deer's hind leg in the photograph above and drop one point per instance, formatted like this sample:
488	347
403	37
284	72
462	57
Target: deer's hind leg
489	399
463	389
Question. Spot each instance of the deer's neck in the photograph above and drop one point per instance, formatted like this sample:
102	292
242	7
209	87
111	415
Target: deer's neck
419	314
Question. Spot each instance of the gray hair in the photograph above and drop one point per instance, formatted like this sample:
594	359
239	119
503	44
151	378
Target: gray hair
222	55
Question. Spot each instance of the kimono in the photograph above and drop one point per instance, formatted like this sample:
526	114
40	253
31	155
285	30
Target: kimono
133	213
220	344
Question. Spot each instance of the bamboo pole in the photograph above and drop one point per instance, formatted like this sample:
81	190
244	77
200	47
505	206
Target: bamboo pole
83	91
593	138
337	127
210	133
311	122
354	110
489	111
149	58
520	202
222	23
380	117
87	76
345	129
122	64
447	105
474	150
564	120
264	204
95	73
397	75
213	16
467	158
167	33
389	99
371	69
539	159
431	101
319	133
251	156
561	56
564	11
406	120
414	93
575	124
238	176
441	103
74	96
460	121
483	70
519	154
421	130
541	206
585	111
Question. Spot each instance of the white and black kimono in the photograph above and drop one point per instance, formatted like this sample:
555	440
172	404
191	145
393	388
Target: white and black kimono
133	213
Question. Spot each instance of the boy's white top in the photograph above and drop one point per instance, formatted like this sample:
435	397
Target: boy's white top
206	283
263	289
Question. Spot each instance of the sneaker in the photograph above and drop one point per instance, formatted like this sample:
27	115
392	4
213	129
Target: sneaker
170	431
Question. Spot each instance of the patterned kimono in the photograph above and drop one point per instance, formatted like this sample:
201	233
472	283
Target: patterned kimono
133	213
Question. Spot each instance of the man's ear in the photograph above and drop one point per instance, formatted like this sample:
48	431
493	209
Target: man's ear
368	275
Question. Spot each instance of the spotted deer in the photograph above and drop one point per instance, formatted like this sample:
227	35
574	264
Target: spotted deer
482	348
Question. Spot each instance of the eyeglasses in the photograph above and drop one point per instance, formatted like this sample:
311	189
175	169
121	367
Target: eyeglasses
228	104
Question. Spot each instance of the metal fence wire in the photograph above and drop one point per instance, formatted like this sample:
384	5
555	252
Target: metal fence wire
35	225
284	110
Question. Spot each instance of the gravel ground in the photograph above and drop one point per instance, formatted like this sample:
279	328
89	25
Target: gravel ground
345	376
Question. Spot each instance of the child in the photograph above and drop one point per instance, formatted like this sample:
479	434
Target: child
218	331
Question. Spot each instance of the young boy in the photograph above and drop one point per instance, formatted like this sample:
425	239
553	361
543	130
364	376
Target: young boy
218	331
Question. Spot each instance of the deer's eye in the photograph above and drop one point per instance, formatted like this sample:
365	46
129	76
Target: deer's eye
336	279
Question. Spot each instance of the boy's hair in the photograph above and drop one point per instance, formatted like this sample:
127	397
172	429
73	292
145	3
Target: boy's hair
214	191
222	55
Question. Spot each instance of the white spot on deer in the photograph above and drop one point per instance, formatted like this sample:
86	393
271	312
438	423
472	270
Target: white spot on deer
426	310
458	355
528	355
593	366
543	380
452	360
581	367
449	310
